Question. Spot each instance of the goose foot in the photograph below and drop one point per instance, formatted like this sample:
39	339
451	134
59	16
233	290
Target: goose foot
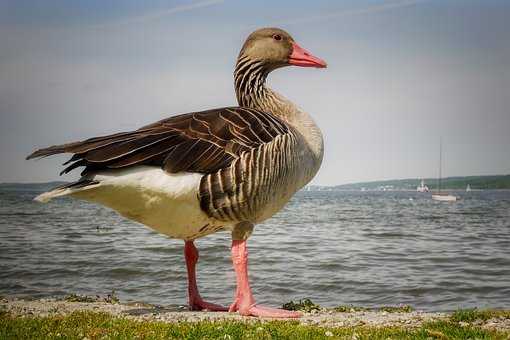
199	304
244	302
264	312
195	301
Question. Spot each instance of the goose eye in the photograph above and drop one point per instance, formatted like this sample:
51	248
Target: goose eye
277	37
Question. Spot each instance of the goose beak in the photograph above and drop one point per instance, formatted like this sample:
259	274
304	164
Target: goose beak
303	58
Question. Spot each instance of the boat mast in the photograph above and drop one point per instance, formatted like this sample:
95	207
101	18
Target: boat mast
440	163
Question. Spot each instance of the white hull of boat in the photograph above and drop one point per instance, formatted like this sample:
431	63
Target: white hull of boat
422	187
444	198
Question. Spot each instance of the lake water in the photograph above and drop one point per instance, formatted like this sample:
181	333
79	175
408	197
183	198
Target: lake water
361	248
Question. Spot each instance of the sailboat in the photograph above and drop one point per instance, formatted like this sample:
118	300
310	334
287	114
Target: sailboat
468	188
439	195
422	187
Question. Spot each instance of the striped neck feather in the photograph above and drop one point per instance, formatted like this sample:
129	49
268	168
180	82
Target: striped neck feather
249	81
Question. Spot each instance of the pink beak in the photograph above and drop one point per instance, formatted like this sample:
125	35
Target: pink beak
303	58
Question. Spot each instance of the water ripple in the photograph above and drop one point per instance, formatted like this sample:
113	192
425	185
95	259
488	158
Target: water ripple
334	247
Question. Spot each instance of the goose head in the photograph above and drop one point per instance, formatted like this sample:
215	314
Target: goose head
275	48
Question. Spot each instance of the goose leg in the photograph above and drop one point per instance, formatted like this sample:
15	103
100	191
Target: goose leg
244	301
194	299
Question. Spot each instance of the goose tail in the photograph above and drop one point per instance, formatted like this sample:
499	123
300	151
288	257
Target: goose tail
67	189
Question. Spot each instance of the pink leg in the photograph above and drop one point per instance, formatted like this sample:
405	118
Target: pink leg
194	299
244	301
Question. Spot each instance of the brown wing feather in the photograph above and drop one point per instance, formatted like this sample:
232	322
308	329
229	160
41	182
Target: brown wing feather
197	142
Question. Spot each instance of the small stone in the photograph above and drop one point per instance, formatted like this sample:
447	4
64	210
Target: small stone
328	333
384	313
464	324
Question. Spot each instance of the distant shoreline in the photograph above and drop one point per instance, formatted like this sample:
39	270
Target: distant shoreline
456	183
488	182
402	190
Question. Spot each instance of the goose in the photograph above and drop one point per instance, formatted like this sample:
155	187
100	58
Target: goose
197	173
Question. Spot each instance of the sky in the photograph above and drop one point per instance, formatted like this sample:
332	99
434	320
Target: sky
401	74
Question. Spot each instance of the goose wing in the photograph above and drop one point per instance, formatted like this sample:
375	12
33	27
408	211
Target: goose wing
202	142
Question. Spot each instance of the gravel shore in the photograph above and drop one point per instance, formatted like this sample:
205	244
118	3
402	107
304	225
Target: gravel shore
141	311
172	314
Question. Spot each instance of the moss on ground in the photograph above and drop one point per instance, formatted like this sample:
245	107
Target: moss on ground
92	325
350	309
396	309
110	298
307	305
388	309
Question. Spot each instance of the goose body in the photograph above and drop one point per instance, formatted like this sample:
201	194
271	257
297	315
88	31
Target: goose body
276	161
194	174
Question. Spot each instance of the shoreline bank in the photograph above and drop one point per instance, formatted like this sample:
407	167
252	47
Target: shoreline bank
56	319
322	317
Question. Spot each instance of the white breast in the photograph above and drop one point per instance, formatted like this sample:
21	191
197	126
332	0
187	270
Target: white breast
167	203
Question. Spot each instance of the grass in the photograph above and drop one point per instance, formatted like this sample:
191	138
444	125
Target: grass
307	305
396	309
80	298
388	309
471	315
350	309
110	298
93	325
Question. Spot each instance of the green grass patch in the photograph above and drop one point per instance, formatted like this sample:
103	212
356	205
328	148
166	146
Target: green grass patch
396	309
305	305
388	309
350	309
91	325
110	298
79	298
470	315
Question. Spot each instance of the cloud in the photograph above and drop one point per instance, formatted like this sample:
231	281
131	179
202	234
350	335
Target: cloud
160	14
352	12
